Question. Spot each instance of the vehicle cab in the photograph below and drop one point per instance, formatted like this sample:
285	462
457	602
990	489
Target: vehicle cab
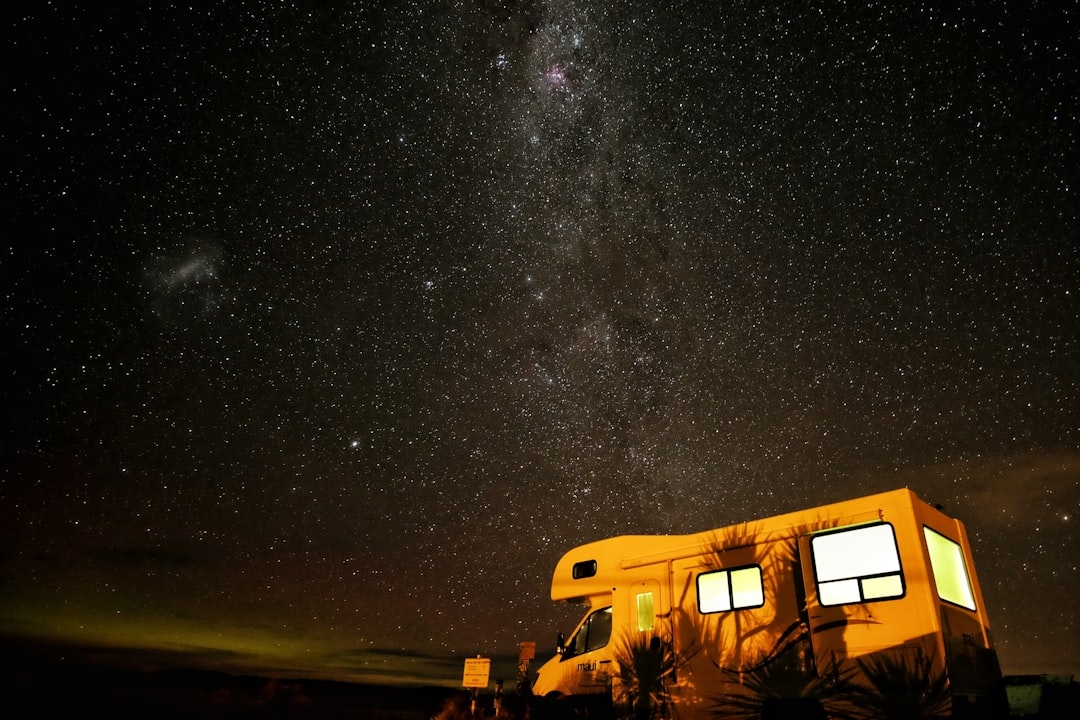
585	664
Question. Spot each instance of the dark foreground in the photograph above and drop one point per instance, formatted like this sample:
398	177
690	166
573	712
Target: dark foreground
73	691
35	685
112	693
34	688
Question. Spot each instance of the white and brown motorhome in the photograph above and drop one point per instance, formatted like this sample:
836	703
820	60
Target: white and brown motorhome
846	610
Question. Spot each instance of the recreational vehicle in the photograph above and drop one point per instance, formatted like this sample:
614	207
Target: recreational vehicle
857	609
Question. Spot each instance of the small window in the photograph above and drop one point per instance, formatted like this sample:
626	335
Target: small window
950	570
737	589
584	569
857	564
646	618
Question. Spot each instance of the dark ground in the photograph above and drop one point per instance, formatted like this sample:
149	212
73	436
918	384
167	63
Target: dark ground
42	685
178	694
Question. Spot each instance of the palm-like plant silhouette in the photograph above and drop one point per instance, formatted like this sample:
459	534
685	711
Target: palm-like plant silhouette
897	687
645	665
783	677
747	629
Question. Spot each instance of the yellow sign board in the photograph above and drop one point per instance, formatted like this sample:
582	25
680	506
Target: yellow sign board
477	671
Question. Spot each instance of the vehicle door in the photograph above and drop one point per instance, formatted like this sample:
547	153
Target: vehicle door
586	660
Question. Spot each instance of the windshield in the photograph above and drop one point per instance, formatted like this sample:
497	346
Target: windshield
593	634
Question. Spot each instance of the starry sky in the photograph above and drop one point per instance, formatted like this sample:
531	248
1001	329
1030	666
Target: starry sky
329	327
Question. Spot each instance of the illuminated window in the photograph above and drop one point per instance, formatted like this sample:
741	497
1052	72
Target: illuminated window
950	570
583	569
724	590
645	615
857	564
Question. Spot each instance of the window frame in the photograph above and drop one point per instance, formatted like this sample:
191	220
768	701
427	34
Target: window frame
858	581
968	582
584	569
731	589
586	627
645	611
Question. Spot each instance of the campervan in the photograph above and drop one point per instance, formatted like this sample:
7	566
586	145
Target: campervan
846	610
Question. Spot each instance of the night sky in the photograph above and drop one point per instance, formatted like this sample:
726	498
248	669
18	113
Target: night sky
329	327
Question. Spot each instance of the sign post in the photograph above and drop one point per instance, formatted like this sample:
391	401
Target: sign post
526	652
477	671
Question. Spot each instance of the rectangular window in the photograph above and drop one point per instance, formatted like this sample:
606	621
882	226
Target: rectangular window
583	569
645	615
950	570
737	589
857	564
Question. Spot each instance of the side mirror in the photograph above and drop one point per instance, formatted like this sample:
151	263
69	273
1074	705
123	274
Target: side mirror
560	644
